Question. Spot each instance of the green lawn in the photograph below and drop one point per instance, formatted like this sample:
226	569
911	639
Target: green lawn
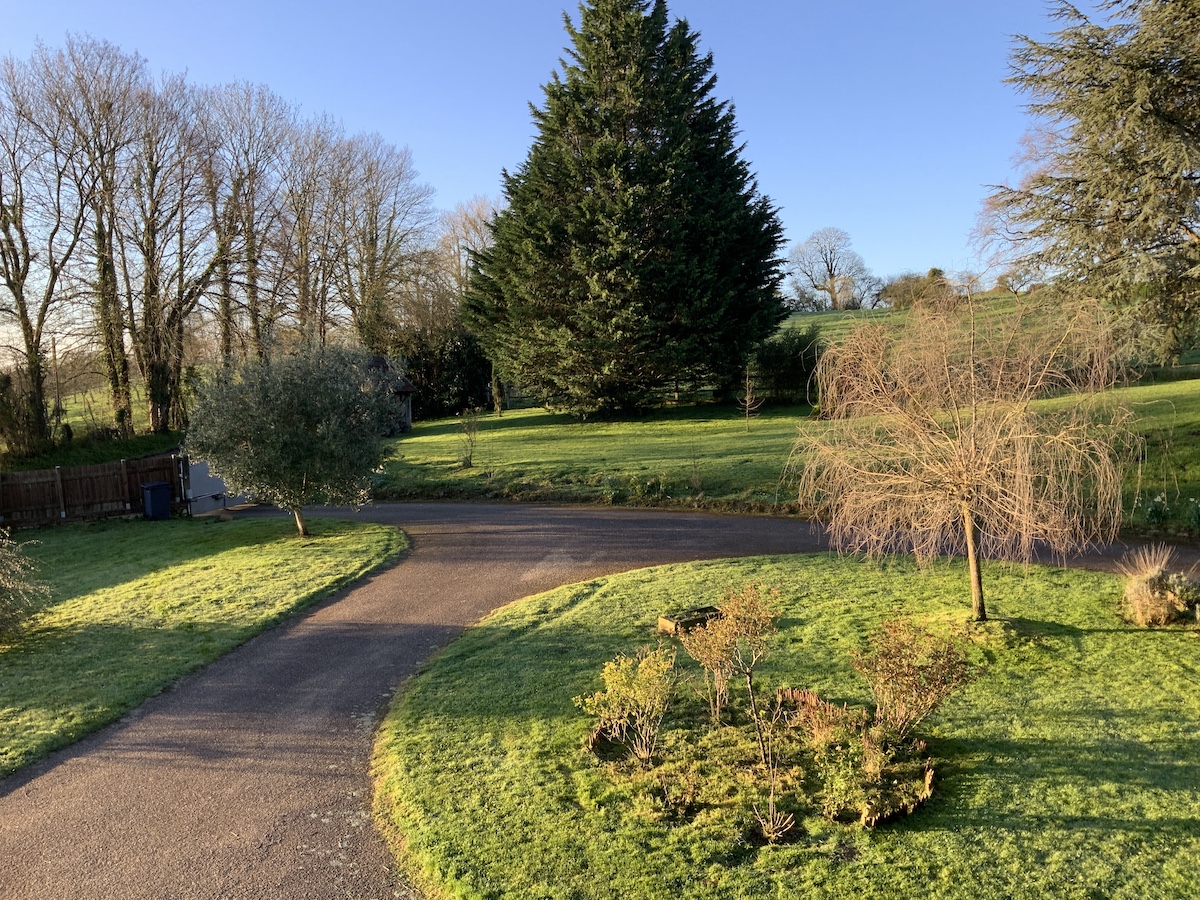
704	456
1071	769
689	456
136	605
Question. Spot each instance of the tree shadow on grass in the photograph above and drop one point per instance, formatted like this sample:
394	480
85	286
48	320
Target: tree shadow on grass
1112	785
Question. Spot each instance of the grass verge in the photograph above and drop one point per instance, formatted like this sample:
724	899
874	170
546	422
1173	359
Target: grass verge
1071	769
136	605
697	456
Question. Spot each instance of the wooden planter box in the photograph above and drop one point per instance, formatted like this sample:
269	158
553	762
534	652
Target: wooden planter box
678	623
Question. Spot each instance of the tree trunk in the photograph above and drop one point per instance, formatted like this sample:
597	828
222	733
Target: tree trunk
111	324
301	525
977	605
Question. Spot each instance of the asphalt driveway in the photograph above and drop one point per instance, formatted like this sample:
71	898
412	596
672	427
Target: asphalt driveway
249	779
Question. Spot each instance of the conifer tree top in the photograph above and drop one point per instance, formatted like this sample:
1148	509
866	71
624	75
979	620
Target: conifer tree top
635	250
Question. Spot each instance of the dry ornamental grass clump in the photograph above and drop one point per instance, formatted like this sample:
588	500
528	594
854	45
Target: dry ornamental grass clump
1155	595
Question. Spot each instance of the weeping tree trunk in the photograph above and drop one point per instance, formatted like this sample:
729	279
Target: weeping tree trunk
301	525
969	530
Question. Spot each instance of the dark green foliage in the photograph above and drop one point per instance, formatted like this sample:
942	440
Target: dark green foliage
635	250
784	364
1112	200
296	430
448	370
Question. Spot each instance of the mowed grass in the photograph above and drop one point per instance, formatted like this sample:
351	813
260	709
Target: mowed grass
137	605
1071	769
706	457
698	456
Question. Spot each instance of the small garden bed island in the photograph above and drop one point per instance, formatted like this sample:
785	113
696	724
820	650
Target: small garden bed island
1069	768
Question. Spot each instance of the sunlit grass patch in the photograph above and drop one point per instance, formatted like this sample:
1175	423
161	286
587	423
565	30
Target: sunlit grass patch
1071	768
136	605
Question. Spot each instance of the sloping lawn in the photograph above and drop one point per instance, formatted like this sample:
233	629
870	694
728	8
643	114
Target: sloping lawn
1071	769
702	456
705	457
137	605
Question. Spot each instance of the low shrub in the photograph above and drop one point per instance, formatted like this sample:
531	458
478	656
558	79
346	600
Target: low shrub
20	593
911	671
865	772
853	765
630	709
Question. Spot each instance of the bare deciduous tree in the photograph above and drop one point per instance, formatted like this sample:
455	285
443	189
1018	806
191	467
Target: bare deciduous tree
826	265
385	220
314	187
94	85
252	125
42	222
165	249
961	430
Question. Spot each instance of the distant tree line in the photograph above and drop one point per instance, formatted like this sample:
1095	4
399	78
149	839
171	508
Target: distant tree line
165	221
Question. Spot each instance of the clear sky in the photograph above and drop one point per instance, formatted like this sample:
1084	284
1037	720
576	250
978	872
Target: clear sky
886	118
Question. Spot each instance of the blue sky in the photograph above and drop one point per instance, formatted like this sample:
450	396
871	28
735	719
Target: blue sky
885	119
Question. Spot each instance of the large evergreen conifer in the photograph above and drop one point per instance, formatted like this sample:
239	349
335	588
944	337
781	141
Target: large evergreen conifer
635	250
1112	199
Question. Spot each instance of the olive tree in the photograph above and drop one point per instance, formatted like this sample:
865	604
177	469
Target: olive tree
296	430
960	429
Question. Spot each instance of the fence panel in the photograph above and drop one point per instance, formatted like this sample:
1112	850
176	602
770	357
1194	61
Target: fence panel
85	492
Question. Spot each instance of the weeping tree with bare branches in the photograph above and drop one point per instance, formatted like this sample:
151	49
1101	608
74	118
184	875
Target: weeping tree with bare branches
969	430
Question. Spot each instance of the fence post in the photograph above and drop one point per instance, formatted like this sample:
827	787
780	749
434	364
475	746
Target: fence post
125	484
62	503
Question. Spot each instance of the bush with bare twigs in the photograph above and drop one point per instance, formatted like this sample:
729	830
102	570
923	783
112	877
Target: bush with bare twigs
20	593
911	671
733	643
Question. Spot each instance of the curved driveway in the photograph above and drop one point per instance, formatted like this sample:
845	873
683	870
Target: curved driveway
249	779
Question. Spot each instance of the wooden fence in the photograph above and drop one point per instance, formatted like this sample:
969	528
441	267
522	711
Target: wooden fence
54	495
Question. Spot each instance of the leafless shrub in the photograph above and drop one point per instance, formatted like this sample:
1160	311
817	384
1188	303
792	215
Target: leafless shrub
773	822
469	436
20	593
911	671
749	403
967	430
733	643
